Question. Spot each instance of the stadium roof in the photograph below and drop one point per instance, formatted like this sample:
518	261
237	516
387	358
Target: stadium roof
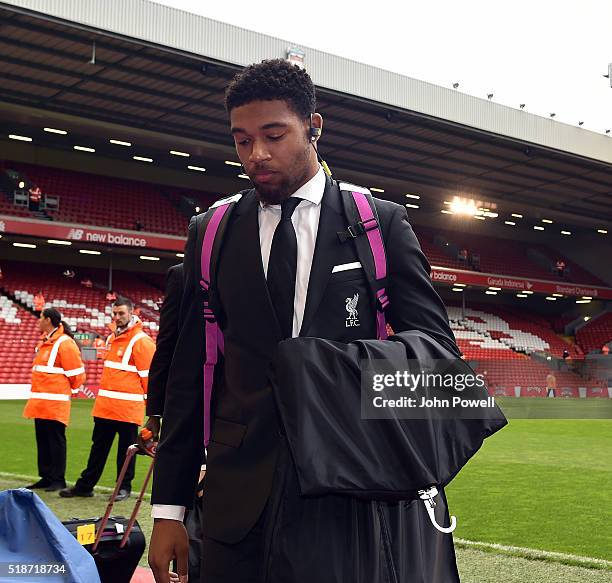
162	71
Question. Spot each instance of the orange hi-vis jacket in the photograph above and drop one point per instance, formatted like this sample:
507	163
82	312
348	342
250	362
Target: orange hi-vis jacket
57	373
123	387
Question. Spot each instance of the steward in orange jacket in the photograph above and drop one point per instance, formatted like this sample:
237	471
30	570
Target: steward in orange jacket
57	373
123	387
120	403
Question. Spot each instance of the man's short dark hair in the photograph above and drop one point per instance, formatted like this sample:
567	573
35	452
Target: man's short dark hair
270	80
123	302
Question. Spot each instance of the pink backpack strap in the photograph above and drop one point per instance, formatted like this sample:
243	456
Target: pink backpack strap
213	334
369	226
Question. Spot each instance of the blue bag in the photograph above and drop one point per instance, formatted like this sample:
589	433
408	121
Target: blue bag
32	538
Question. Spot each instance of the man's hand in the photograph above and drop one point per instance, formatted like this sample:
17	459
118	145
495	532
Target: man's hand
168	541
153	425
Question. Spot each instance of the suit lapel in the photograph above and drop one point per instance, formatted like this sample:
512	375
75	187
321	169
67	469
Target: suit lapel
253	280
327	248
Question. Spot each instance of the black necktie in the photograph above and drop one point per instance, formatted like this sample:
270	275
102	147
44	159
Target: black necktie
282	267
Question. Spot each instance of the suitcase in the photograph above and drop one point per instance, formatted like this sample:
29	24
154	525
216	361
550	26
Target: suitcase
114	563
118	543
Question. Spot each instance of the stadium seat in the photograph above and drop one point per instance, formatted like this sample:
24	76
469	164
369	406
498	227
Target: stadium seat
595	333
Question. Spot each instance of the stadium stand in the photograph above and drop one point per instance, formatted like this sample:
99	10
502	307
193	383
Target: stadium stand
101	200
503	376
179	195
18	337
89	199
504	329
83	309
501	256
574	271
8	208
500	341
595	333
560	322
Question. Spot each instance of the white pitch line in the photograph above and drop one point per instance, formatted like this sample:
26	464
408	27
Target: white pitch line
535	553
35	478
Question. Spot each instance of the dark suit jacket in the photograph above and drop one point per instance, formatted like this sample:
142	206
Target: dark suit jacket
245	429
166	341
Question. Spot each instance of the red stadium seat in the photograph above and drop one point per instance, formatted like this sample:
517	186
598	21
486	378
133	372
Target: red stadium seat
595	333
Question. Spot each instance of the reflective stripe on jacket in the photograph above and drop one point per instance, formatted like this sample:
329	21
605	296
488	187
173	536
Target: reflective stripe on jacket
57	373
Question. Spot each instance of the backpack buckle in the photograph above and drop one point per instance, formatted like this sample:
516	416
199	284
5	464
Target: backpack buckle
205	291
382	300
358	229
209	315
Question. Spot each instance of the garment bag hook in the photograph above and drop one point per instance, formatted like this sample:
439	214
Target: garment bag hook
428	499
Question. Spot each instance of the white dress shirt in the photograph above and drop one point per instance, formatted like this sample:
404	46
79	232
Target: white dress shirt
305	221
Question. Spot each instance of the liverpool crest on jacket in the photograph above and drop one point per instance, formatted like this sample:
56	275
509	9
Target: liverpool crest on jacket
351	308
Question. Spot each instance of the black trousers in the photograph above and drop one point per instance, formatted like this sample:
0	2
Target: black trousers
102	441
193	525
333	539
242	562
51	446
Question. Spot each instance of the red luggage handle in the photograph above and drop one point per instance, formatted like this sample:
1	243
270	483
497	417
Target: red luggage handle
131	452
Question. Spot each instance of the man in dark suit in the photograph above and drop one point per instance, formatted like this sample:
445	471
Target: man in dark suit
158	378
282	272
165	344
